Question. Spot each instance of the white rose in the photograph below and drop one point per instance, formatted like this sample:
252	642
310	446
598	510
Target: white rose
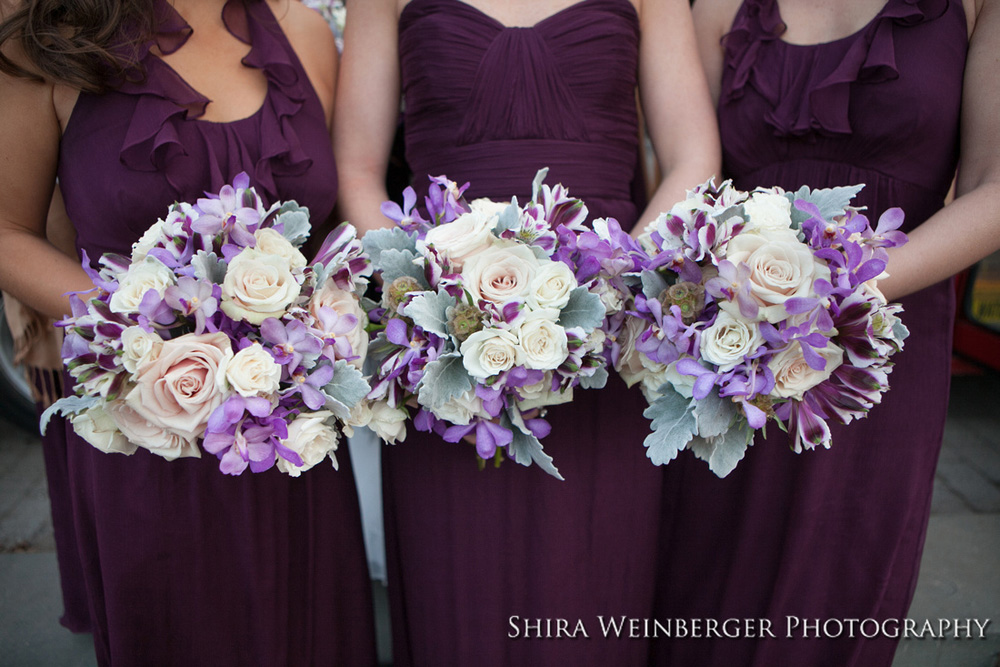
793	377
490	351
500	273
543	341
147	241
728	340
360	416
464	237
149	274
389	423
767	211
460	410
98	428
343	303
551	286
252	372
780	268
156	439
488	207
98	385
312	438
540	395
271	242
258	286
139	346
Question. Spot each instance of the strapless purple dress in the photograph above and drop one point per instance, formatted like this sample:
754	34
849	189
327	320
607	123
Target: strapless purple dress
482	563
831	534
184	565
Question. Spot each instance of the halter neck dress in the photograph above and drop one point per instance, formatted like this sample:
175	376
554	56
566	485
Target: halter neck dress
184	565
476	559
828	534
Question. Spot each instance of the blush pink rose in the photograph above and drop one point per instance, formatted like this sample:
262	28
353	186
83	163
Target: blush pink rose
180	389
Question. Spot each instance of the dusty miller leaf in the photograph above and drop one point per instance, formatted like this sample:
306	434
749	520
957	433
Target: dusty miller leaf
428	310
347	388
725	451
831	202
525	448
378	240
398	263
653	284
584	310
208	266
673	426
444	378
70	405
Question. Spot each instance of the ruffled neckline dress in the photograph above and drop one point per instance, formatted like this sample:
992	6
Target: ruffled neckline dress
181	564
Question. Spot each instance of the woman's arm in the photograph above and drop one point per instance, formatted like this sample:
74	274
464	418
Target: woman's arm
676	103
967	229
31	269
367	110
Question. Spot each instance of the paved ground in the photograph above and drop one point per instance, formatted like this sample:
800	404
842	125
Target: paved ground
960	576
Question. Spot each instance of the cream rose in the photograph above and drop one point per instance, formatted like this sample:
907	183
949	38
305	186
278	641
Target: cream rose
360	415
271	242
389	423
460	410
543	341
151	436
312	438
139	346
149	274
489	352
253	372
780	268
464	237
551	286
632	365
98	428
182	387
540	395
258	286
728	340
172	226
501	273
343	303
611	297
793	377
768	212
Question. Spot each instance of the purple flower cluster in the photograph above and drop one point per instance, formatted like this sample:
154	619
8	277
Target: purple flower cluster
218	332
758	306
491	313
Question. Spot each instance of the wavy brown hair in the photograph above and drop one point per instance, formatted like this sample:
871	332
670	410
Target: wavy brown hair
91	45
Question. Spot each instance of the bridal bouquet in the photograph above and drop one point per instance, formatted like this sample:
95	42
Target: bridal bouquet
759	306
217	334
487	318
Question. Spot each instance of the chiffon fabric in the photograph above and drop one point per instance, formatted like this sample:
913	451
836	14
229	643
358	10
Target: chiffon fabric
184	565
827	535
483	564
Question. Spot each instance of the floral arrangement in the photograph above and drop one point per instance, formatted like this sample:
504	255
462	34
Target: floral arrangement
750	309
486	317
217	334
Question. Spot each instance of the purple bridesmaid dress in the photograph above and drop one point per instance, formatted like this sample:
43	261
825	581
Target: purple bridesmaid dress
185	565
483	564
828	535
